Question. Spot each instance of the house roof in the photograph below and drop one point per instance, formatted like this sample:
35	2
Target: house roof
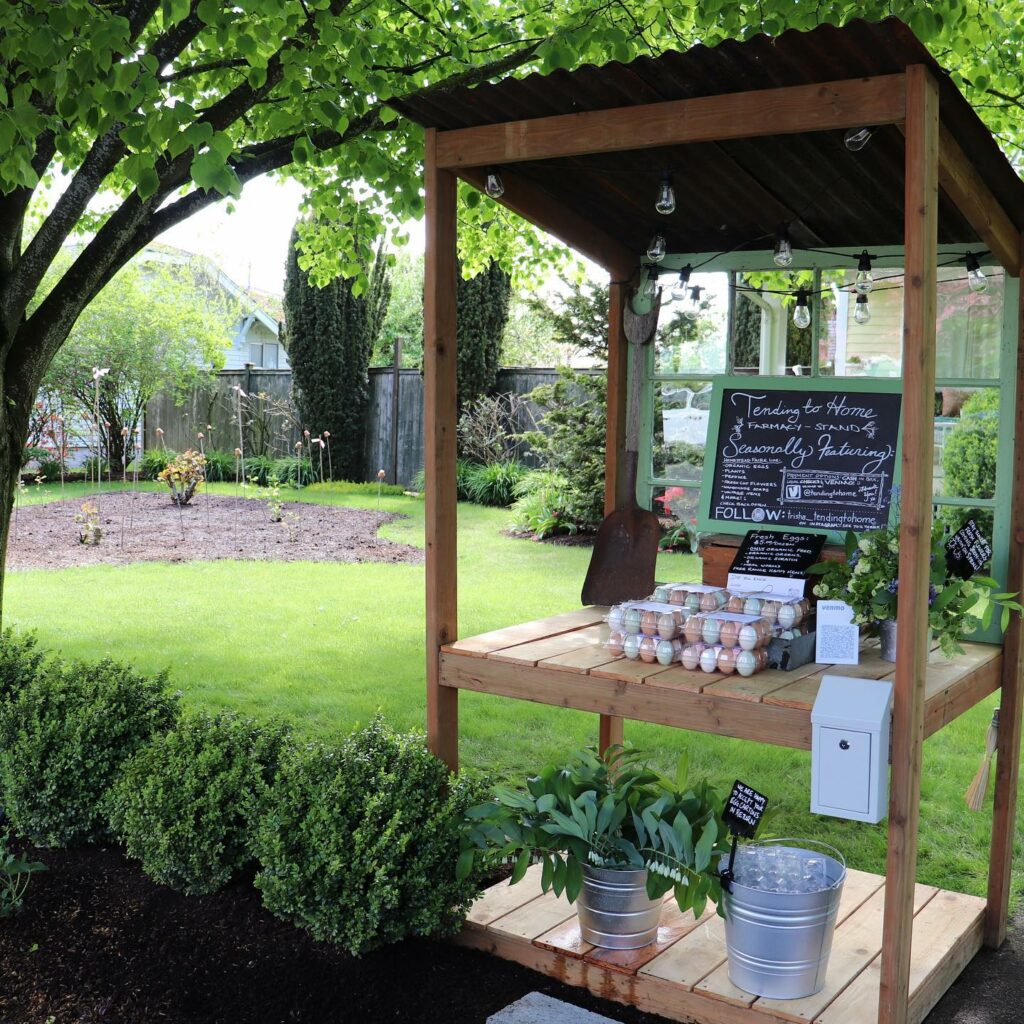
734	194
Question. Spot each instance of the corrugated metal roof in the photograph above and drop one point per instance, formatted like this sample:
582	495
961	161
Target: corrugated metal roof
734	194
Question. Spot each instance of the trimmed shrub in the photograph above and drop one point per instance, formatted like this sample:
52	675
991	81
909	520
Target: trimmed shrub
494	484
182	804
20	662
63	738
357	842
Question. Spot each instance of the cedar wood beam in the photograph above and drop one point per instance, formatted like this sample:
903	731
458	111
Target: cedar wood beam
530	201
963	184
784	111
921	195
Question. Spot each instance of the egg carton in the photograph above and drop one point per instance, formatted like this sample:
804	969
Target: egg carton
726	660
650	618
649	649
784	613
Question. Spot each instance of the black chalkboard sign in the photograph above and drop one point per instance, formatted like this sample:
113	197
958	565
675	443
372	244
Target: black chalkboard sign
768	553
814	459
744	810
967	551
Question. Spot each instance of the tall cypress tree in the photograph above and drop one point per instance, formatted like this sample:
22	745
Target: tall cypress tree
482	314
331	333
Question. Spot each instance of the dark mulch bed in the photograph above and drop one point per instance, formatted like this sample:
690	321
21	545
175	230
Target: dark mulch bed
98	943
147	527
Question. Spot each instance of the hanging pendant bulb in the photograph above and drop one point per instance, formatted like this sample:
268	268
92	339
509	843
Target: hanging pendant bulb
857	138
657	248
802	312
651	286
783	254
666	201
975	275
679	288
864	282
494	186
692	308
862	312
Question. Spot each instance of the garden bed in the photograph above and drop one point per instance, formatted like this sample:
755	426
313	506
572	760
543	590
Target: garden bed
99	942
147	527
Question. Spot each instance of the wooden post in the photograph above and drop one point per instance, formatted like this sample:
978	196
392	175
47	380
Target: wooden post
439	416
611	731
1012	697
920	242
396	387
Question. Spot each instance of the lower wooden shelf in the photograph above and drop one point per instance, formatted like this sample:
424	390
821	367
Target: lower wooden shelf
684	974
563	661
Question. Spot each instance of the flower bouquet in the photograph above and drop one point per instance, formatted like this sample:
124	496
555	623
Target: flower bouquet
869	582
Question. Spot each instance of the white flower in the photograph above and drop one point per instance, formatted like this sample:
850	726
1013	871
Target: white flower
862	567
865	545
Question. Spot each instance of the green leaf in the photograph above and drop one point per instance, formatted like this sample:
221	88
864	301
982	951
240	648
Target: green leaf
522	863
702	851
547	873
464	865
573	879
682	770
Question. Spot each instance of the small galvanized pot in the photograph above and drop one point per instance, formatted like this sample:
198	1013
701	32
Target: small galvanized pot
614	909
887	637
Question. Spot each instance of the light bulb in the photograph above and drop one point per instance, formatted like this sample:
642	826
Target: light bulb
494	186
862	311
857	138
864	282
679	288
802	312
657	248
692	308
666	201
783	254
975	275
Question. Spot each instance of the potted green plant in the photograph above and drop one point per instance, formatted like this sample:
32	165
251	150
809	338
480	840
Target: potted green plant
868	581
610	833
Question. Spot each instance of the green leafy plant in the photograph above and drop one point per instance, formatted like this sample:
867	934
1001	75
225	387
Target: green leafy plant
494	483
20	662
220	466
183	474
541	505
868	581
154	461
571	440
609	811
63	738
969	458
358	841
88	519
463	472
182	804
15	875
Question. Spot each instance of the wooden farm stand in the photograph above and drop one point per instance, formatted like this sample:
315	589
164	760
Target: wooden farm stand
752	129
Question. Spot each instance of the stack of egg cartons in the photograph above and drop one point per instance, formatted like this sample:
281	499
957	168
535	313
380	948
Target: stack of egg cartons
647	630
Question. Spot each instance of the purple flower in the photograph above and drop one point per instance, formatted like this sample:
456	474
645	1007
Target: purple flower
933	592
855	558
894	586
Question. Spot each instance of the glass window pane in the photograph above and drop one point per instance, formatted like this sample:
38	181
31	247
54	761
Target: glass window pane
968	324
255	354
270	357
691	337
677	503
953	517
966	439
681	415
848	347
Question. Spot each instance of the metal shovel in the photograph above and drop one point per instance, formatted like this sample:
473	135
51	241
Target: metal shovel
626	547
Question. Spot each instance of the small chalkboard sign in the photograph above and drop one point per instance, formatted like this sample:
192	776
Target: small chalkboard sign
744	810
967	551
767	553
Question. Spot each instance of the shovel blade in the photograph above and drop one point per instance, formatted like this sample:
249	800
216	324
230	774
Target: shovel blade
624	557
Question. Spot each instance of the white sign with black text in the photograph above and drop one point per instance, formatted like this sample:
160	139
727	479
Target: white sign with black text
838	636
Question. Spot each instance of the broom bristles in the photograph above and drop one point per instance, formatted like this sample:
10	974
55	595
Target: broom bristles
975	795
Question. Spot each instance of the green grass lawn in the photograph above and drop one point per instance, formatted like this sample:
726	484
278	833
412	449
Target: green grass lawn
327	645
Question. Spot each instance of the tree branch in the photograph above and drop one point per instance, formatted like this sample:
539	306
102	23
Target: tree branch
199	69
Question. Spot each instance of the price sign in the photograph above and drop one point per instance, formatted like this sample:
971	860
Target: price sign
767	553
967	551
744	810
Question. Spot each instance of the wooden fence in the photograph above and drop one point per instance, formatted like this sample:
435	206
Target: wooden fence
394	433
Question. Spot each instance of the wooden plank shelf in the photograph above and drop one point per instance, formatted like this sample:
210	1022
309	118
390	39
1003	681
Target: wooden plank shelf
684	974
563	661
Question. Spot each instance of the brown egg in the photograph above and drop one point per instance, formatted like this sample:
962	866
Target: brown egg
693	628
668	625
690	656
727	659
648	649
729	632
677	596
735	604
615	643
770	610
649	623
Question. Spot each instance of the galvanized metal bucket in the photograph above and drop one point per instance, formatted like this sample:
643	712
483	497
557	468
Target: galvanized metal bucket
779	943
614	909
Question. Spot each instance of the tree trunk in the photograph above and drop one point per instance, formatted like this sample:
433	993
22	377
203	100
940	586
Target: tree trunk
14	417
